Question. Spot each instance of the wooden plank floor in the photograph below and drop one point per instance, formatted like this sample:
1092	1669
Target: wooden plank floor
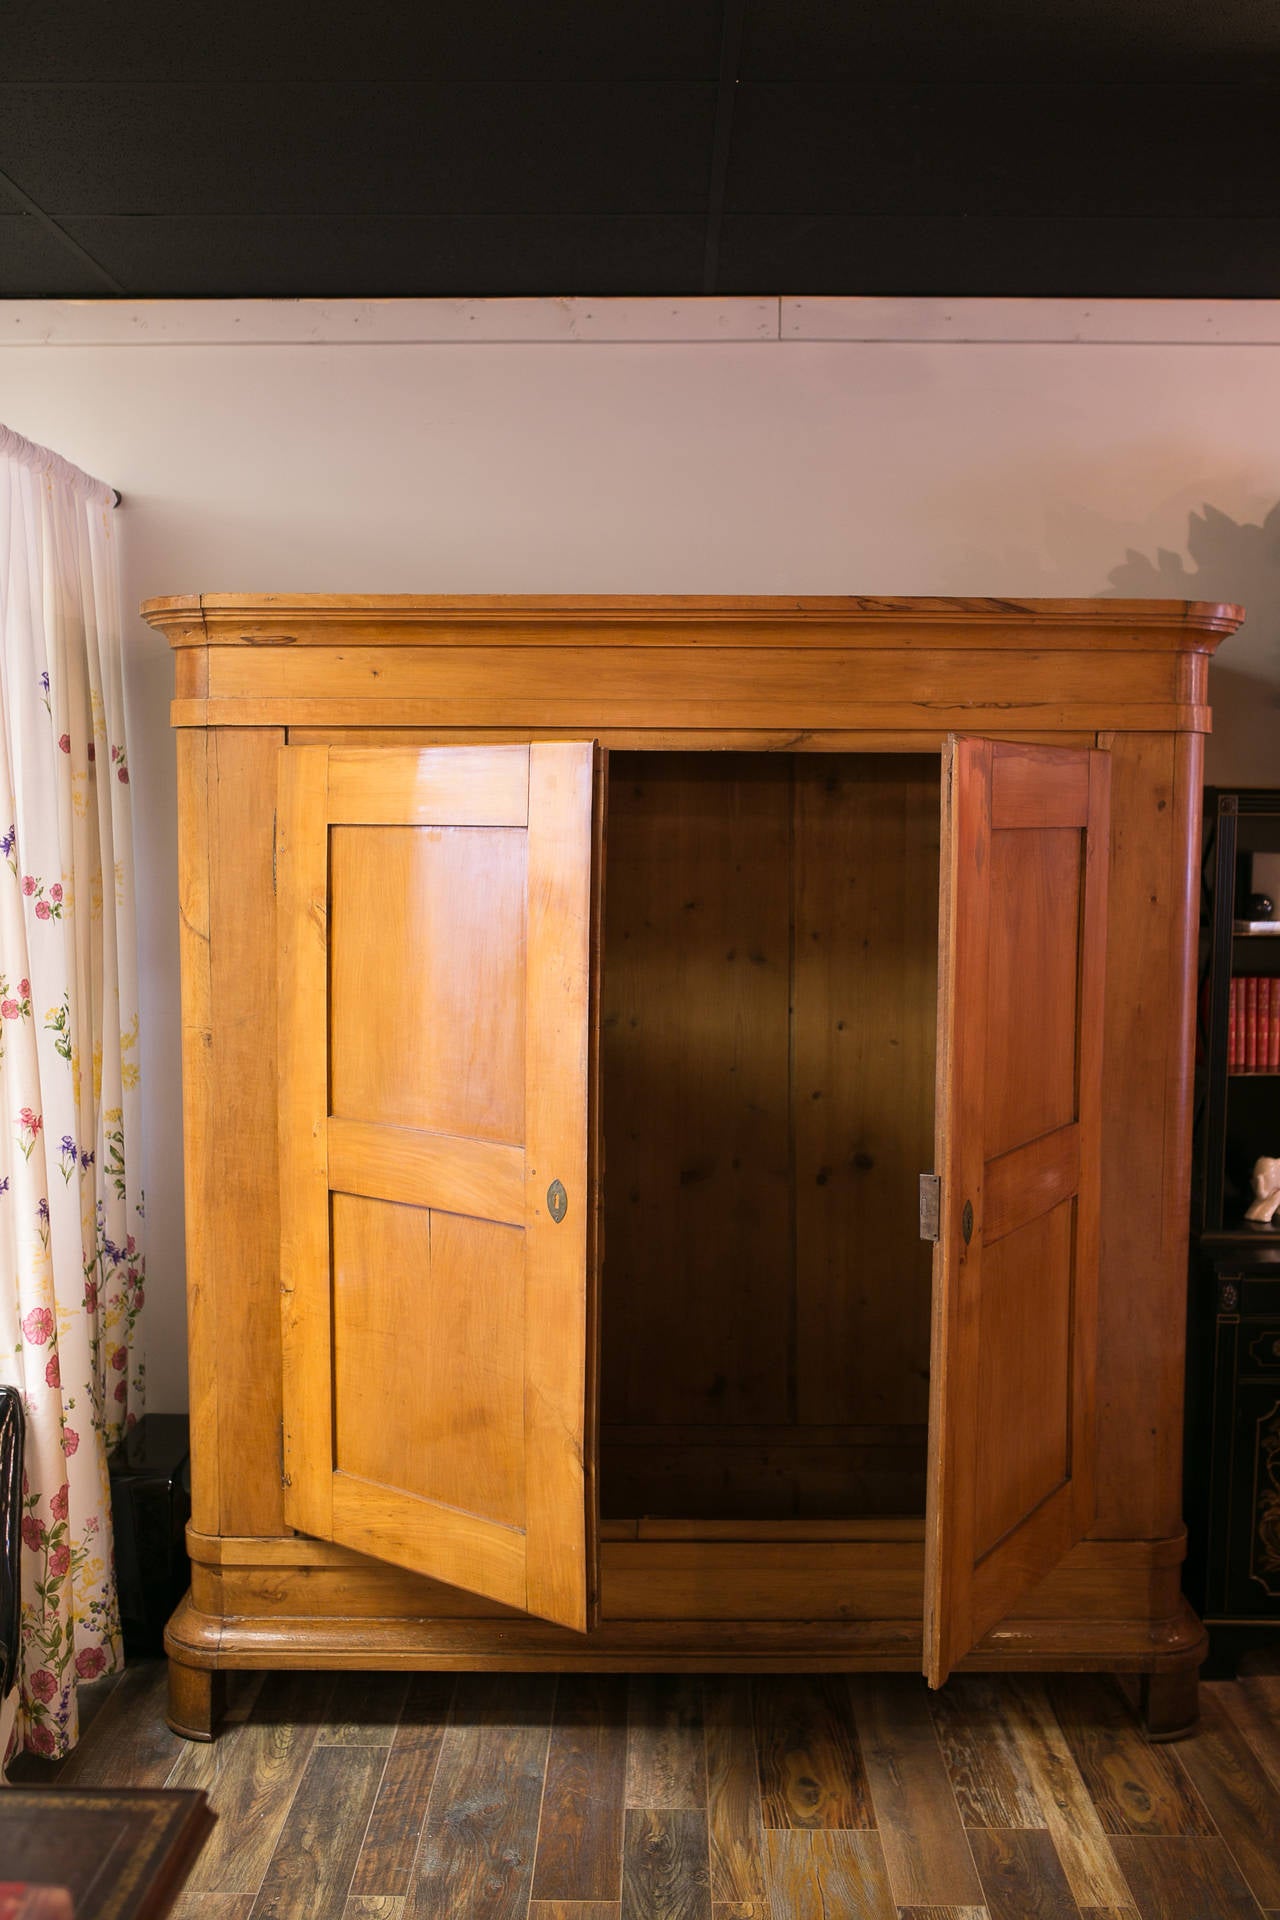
794	1797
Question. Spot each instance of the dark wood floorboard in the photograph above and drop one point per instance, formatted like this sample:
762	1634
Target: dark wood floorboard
780	1797
925	1845
1136	1787
580	1838
666	1752
665	1874
1184	1877
735	1830
1021	1875
822	1873
476	1857
1241	1798
391	1838
811	1771
315	1857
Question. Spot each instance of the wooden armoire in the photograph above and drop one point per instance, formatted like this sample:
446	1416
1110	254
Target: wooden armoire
687	1132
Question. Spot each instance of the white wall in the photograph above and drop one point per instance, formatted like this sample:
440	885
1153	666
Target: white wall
746	446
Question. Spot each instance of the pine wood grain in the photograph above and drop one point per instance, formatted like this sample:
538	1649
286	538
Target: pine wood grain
373	1906
250	1774
1021	1875
664	1864
574	1910
475	1861
864	1027
580	1836
1066	1808
1242	1801
1184	1877
315	1857
503	1699
820	1874
811	1771
1012	1476
984	1764
363	1709
1253	1703
694	1050
134	1747
733	1795
391	1838
925	1846
1135	1787
666	1752
943	1913
212	1906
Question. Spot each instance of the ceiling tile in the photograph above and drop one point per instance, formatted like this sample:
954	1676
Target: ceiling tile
1088	40
395	148
935	147
1091	259
34	263
321	40
187	256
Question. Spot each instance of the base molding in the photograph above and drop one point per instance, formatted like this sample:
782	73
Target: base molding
291	1602
209	1641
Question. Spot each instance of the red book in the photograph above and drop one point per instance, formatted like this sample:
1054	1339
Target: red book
1233	1027
21	1900
1251	1023
1273	1029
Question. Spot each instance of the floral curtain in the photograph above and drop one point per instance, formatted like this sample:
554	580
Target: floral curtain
71	1264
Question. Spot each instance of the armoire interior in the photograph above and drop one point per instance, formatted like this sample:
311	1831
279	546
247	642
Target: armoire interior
768	1033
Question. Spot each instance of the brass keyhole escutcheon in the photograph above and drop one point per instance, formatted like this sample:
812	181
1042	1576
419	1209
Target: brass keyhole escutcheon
966	1222
557	1201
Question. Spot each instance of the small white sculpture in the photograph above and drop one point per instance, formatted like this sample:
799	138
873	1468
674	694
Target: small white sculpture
1266	1185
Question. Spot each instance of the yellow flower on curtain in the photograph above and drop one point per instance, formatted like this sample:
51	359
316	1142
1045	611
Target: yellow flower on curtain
70	1207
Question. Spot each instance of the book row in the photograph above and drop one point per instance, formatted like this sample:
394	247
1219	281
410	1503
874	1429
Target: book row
1253	1025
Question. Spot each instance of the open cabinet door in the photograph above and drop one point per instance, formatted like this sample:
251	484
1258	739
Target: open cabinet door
1023	946
437	913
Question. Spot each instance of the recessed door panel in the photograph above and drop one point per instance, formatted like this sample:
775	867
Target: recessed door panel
438	923
1022	951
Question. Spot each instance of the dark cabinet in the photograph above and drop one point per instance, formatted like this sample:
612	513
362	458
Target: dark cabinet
1233	1402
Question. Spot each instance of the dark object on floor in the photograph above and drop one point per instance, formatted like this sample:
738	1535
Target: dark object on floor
150	1507
12	1432
122	1851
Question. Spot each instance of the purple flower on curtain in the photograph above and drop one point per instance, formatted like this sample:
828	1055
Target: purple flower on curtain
70	1615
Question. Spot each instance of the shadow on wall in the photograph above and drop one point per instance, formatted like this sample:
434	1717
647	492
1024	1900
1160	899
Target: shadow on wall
1240	563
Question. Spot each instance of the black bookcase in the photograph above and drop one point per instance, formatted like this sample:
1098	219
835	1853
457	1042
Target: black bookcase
1233	1353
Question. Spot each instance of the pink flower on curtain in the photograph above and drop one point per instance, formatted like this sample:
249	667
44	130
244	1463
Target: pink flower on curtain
64	1281
38	1326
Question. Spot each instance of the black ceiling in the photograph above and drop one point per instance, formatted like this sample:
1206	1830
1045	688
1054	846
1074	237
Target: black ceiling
468	147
